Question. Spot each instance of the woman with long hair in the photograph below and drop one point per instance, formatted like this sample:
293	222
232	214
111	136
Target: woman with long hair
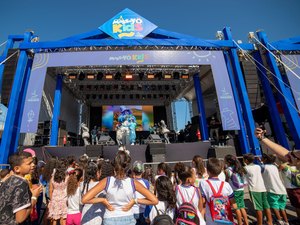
120	194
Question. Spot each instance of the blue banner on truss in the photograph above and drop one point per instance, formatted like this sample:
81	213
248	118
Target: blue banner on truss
44	60
293	74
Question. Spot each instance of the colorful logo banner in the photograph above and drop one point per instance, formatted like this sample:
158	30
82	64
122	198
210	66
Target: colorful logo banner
127	25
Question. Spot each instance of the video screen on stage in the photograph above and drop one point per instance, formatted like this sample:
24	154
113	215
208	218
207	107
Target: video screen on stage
142	113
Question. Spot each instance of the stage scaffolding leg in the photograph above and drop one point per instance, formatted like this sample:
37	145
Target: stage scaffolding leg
20	108
241	87
8	141
201	109
286	98
243	140
273	111
9	44
56	111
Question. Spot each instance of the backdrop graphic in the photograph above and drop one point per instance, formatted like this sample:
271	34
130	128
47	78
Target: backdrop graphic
44	60
293	62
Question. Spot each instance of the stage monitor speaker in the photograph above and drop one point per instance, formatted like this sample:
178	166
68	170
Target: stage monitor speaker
157	148
106	140
94	150
153	138
220	151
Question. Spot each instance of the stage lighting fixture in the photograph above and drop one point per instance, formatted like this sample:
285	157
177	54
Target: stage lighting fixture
158	75
99	76
90	76
108	76
81	76
167	76
118	76
150	76
185	76
176	75
141	75
128	77
72	76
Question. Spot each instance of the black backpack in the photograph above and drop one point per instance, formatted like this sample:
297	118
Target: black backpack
162	218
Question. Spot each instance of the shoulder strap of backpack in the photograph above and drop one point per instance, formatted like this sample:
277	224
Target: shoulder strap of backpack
183	200
212	188
193	195
156	210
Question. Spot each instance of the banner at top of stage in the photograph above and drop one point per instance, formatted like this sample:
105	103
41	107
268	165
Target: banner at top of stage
128	25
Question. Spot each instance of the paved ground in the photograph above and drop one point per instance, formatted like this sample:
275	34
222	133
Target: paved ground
252	215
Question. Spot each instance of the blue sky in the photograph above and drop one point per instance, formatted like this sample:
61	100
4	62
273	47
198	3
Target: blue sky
55	20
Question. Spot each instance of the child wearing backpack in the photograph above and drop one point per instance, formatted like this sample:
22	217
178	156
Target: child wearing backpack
276	192
164	211
235	177
217	195
189	200
257	189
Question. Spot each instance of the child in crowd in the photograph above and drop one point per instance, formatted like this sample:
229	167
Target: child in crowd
200	170
276	192
17	200
92	213
138	209
186	192
73	193
71	163
58	195
4	174
166	199
257	189
234	168
120	194
163	169
214	168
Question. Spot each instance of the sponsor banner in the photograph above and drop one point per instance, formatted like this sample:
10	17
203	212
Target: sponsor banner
293	62
127	25
63	59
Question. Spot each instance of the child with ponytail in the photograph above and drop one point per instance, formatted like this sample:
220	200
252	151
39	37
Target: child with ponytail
235	177
120	194
73	194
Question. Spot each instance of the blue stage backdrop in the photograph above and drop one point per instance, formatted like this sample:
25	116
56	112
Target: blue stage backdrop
213	58
293	62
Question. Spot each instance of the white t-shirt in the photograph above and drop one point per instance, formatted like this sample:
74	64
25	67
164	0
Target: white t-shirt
161	207
254	178
119	193
207	194
272	180
139	208
74	202
92	213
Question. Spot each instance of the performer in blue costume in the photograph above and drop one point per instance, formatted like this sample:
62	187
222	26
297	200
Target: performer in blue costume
127	126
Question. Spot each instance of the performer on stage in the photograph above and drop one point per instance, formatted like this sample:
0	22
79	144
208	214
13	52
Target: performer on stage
85	133
94	134
127	123
164	131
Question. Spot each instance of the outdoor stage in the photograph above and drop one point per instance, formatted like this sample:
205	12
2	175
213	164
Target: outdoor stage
173	152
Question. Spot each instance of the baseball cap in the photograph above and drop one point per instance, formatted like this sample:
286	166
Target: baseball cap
138	167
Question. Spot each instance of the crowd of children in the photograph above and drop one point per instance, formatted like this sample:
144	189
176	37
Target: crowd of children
121	192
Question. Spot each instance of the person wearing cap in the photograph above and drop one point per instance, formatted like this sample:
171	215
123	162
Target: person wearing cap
138	209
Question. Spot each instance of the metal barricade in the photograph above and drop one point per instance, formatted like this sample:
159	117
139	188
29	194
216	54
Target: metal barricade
3	166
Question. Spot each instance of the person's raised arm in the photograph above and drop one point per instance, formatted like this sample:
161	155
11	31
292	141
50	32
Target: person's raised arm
279	150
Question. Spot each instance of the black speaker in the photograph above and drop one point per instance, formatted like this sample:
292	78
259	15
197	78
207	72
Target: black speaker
106	140
94	150
153	138
157	148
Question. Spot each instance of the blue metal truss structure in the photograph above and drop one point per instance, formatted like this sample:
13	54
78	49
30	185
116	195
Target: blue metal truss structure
161	39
